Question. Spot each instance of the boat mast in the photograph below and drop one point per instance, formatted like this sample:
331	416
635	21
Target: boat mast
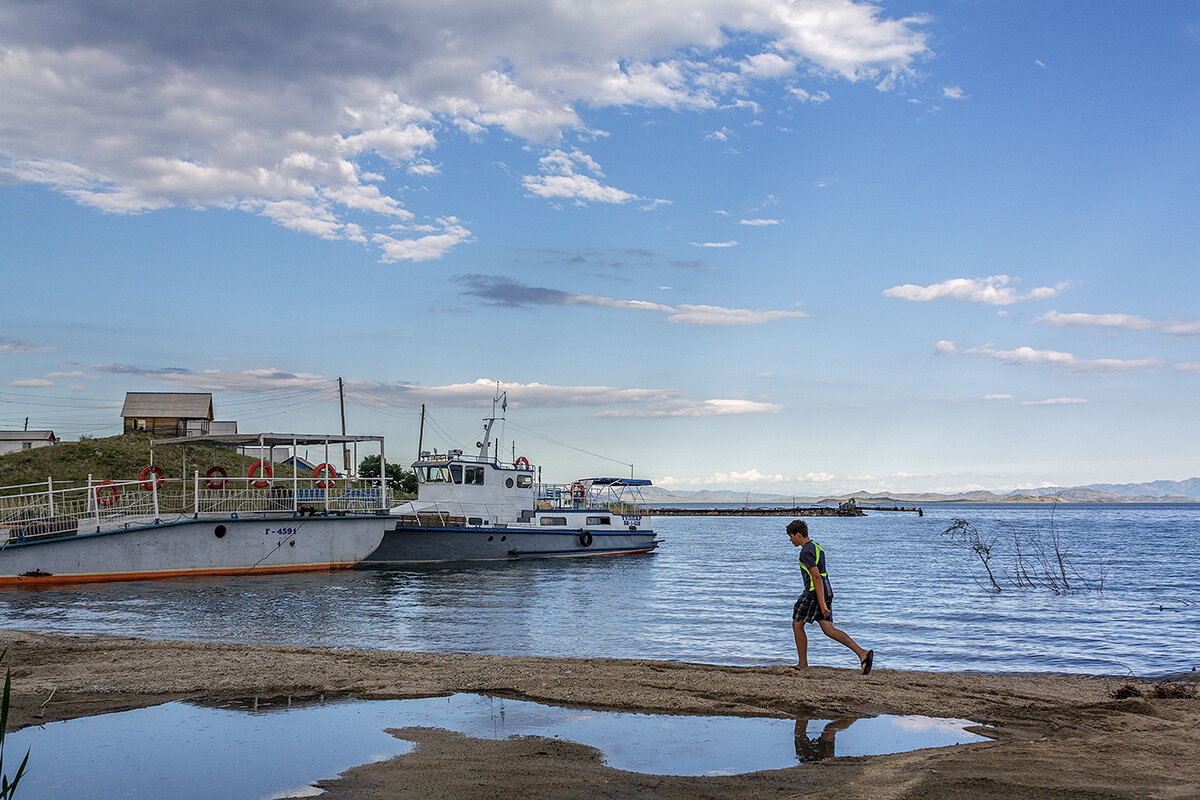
501	398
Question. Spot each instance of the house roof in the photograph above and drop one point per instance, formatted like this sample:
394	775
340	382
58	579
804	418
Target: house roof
26	436
184	405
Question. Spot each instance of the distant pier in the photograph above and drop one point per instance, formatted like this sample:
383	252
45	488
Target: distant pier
848	509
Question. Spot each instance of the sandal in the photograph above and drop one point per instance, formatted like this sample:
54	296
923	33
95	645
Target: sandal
866	662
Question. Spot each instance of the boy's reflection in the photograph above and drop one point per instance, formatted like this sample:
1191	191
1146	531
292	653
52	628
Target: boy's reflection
808	749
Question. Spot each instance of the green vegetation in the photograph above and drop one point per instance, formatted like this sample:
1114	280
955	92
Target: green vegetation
119	458
8	788
399	479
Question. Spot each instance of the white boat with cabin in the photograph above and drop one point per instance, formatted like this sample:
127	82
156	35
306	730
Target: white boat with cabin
479	508
156	527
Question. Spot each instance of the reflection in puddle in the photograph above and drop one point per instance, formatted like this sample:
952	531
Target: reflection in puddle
257	751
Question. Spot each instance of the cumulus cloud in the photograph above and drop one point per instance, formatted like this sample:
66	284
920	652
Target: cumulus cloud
278	111
561	180
993	291
954	93
502	291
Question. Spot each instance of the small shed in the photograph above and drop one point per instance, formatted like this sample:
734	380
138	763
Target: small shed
168	413
14	441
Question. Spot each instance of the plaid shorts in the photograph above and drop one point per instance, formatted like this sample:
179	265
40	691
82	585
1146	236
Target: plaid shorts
807	609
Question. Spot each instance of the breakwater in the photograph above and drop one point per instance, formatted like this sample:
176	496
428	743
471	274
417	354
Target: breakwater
843	510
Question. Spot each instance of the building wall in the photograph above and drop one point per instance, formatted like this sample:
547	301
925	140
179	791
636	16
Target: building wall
17	446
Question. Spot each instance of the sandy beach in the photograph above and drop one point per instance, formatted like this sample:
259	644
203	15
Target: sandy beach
1056	736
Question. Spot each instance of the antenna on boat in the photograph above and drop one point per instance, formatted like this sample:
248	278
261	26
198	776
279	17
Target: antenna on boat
502	399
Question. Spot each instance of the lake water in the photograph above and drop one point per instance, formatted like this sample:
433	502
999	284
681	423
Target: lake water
271	752
720	590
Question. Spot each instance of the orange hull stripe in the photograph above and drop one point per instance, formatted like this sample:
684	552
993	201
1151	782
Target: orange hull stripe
102	577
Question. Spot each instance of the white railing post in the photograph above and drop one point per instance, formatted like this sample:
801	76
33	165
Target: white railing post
92	499
154	493
50	495
196	493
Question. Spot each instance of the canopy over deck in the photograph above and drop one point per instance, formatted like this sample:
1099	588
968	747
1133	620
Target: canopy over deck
267	439
617	481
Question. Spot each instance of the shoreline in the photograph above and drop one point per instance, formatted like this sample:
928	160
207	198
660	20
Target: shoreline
1058	735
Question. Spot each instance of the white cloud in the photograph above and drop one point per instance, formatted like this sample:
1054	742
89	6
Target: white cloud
758	223
1177	327
993	290
997	397
1055	401
559	180
1188	366
1126	321
31	383
278	111
946	346
1099	367
434	244
806	96
717	315
954	93
704	408
731	243
8	346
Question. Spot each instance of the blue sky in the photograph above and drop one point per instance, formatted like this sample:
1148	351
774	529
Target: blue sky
796	247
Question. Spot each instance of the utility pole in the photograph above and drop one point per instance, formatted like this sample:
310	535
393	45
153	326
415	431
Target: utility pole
345	450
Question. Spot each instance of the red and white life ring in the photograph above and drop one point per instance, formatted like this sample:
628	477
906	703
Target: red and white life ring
215	484
158	477
114	493
521	463
266	470
328	470
578	490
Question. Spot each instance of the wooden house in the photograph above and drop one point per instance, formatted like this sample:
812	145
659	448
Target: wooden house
168	413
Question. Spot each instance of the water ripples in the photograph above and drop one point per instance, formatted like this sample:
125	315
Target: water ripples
719	591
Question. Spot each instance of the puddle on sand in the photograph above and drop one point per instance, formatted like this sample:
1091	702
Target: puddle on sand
256	751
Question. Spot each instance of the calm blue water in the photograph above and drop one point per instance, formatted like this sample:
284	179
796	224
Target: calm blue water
720	590
271	753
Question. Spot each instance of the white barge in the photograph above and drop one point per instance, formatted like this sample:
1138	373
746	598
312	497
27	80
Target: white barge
478	508
155	527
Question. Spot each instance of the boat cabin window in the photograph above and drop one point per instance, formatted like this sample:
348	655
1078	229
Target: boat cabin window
433	474
599	521
456	472
554	520
474	475
524	481
474	520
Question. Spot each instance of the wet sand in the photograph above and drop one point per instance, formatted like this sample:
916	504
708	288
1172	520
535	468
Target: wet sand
1059	737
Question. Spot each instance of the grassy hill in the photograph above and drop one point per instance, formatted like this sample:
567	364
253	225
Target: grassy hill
117	458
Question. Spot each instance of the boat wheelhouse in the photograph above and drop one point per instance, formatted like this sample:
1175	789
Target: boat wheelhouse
479	508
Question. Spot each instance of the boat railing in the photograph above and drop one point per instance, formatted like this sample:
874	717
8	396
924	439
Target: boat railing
580	496
57	509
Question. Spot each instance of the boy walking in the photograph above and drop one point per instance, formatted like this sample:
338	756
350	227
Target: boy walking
816	604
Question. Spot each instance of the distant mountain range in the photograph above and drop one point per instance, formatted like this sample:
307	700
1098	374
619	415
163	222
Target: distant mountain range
1185	491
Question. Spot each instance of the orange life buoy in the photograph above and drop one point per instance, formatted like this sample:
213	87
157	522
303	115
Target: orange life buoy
114	490
217	484
266	469
328	470
578	490
521	463
158	477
